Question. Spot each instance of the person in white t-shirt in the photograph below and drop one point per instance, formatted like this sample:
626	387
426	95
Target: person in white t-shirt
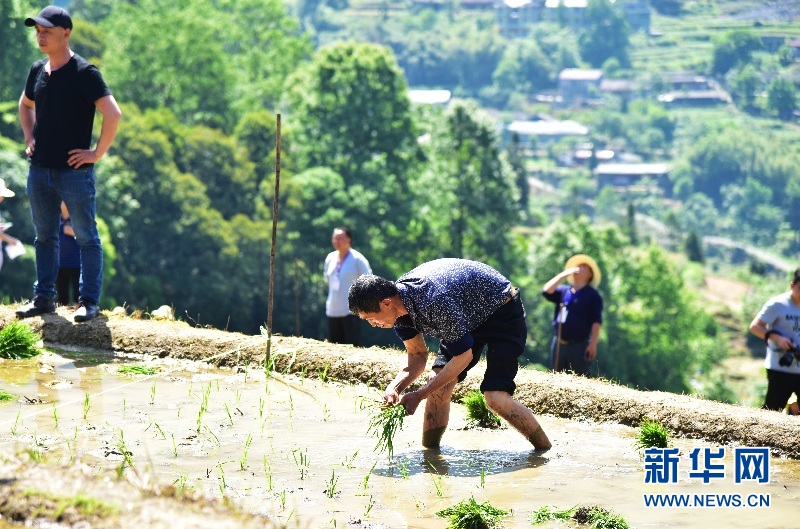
343	266
778	324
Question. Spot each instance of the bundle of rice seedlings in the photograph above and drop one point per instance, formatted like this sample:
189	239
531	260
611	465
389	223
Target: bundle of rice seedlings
478	413
384	423
136	369
4	395
652	434
18	341
469	514
593	516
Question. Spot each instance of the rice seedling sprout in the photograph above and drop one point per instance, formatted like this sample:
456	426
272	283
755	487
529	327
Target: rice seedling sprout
18	341
243	460
87	406
330	492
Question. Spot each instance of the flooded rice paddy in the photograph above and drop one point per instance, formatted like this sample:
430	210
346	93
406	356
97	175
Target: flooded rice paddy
296	448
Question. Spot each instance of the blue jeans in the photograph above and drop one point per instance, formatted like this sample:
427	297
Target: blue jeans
46	189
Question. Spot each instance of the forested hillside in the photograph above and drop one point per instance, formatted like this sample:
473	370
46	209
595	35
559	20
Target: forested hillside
185	194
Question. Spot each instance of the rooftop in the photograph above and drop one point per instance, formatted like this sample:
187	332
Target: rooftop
548	128
580	74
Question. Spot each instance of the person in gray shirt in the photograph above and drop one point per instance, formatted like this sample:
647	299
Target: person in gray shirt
468	306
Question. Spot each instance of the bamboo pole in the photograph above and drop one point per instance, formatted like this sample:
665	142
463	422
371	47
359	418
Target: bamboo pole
274	236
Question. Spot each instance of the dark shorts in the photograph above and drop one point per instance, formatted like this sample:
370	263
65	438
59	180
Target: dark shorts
503	335
780	386
346	329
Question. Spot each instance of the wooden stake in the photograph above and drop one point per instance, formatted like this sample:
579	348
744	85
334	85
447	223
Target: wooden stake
274	236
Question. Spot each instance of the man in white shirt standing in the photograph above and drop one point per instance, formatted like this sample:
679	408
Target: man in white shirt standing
342	267
778	324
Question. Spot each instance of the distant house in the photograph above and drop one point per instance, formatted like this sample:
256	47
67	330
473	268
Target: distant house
478	5
573	13
624	175
434	5
695	98
686	81
637	13
547	130
619	87
429	97
570	13
515	17
576	85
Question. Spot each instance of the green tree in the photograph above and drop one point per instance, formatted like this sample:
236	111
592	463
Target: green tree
744	83
17	50
782	97
694	247
263	51
476	198
734	48
216	161
170	54
351	110
630	224
523	68
606	35
88	41
516	157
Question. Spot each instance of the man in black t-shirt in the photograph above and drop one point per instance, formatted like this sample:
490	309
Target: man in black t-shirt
56	112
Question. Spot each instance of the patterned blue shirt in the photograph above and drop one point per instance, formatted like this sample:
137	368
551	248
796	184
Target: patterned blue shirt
448	298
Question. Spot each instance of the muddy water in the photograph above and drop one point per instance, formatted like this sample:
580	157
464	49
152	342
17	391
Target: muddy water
297	449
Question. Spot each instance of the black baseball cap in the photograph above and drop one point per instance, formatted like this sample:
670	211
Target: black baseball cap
51	17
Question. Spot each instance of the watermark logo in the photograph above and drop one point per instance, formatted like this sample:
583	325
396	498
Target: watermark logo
708	465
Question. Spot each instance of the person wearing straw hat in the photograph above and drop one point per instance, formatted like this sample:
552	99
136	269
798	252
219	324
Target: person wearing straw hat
578	315
56	112
4	237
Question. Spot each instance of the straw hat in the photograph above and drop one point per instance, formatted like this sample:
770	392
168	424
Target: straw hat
4	191
580	259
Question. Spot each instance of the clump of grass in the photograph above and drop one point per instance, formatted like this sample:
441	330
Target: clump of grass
4	395
385	422
18	341
57	507
652	434
478	413
593	516
136	369
469	514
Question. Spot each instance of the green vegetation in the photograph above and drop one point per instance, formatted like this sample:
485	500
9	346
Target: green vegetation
4	395
55	506
592	516
190	178
136	369
469	514
478	412
18	341
652	434
384	423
